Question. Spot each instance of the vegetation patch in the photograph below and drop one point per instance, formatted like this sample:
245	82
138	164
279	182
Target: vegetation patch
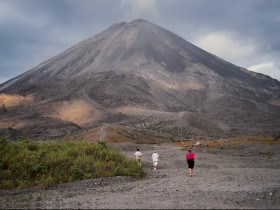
266	154
25	163
226	142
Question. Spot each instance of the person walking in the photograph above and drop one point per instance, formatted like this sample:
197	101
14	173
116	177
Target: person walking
155	158
138	156
190	160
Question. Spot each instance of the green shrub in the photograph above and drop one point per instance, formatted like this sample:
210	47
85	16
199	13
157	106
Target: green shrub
26	163
102	143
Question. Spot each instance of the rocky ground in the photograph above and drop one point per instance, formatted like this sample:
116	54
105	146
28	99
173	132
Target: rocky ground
237	177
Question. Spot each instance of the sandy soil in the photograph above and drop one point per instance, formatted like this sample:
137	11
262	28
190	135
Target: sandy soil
246	176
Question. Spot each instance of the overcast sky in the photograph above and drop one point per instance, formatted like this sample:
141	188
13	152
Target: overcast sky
243	32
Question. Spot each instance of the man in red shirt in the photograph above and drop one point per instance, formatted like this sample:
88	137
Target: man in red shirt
190	160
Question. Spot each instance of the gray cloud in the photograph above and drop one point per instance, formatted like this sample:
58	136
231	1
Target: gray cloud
33	31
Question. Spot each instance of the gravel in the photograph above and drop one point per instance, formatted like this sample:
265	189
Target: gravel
223	178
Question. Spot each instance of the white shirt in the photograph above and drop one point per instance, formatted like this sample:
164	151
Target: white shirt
137	154
155	157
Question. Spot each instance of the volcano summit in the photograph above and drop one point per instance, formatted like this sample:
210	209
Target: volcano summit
144	82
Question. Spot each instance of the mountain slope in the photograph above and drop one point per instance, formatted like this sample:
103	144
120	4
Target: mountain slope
141	75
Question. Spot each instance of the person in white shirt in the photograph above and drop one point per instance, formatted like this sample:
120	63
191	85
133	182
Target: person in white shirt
138	156
155	158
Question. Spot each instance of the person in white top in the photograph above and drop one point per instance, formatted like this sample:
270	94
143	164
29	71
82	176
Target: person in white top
138	156
155	158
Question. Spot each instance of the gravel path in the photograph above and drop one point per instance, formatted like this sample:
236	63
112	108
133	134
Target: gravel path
227	178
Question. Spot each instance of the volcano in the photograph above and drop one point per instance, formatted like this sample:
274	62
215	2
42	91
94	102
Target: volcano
138	76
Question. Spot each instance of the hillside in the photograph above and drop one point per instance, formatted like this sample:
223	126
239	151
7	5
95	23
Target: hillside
142	77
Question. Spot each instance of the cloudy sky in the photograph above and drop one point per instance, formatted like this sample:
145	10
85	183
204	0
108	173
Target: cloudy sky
243	32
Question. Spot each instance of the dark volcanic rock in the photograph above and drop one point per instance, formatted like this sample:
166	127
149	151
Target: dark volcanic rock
138	74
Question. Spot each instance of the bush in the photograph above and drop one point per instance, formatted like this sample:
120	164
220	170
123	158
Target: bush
102	143
26	163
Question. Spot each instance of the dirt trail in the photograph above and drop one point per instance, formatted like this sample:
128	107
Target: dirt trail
239	178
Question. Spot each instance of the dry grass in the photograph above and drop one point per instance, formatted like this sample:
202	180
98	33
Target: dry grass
124	134
116	134
14	100
16	124
222	142
107	133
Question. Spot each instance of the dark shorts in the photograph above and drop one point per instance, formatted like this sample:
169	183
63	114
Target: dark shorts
190	163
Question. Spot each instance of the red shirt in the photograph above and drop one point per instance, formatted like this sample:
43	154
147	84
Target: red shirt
190	155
